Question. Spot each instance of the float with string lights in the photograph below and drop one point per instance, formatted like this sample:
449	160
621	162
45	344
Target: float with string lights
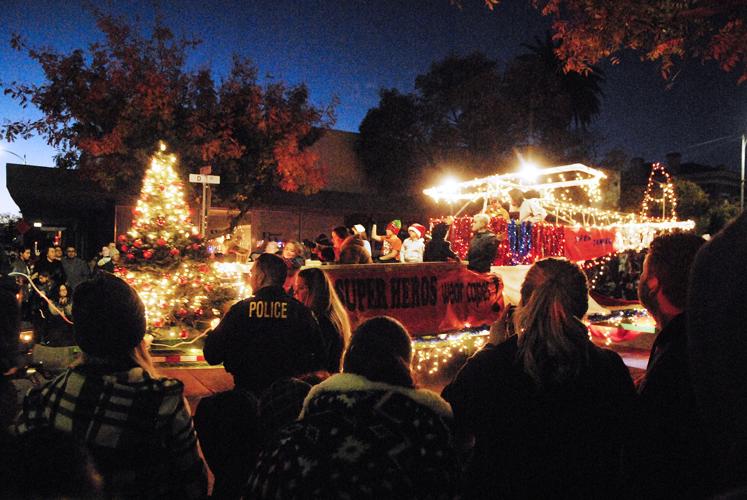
578	230
525	242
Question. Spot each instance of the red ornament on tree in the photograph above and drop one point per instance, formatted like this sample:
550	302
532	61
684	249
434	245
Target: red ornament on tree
183	334
174	252
124	248
147	254
161	242
137	243
122	238
195	246
130	256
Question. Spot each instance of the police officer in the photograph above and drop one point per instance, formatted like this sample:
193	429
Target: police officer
268	336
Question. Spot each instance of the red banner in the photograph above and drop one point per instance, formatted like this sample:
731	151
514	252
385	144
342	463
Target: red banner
427	298
585	244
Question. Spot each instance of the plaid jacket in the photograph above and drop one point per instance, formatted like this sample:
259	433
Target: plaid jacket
138	429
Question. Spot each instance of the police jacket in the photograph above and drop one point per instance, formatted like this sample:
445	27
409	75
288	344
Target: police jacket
264	338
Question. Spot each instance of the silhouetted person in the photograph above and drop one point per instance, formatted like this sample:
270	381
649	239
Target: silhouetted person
670	457
136	425
547	410
438	249
483	247
717	345
365	433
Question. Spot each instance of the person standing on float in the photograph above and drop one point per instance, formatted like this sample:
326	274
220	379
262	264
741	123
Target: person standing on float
483	247
390	244
267	336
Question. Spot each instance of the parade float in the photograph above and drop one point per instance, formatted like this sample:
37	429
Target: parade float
575	228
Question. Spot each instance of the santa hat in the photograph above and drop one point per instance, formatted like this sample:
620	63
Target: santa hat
394	226
418	228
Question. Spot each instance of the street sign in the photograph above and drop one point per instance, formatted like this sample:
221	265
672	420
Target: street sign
204	179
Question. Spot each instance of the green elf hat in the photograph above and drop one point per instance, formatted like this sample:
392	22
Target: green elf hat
394	226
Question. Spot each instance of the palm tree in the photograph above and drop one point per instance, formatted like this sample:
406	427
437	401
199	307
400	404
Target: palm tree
584	91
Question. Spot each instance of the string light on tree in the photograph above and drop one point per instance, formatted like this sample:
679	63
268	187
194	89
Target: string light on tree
667	200
167	262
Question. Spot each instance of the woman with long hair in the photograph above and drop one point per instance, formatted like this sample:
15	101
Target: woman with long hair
137	425
366	433
59	316
546	408
314	290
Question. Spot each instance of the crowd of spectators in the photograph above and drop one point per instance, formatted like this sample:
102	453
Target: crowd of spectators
320	411
399	244
46	284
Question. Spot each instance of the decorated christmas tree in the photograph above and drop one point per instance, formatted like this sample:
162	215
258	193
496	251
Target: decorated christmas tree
166	260
659	199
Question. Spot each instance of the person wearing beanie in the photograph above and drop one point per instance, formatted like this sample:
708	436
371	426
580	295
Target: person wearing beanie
390	243
136	425
414	246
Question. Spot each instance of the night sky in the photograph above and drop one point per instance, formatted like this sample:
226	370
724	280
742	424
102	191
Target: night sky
351	49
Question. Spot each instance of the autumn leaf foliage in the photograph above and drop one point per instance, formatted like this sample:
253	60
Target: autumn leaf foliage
106	107
666	31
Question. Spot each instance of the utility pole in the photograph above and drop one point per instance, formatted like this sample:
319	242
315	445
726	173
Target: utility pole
741	182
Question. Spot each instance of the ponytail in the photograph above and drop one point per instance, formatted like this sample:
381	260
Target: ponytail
552	341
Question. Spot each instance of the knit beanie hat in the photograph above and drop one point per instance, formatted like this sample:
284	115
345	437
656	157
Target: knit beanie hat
394	226
109	317
419	229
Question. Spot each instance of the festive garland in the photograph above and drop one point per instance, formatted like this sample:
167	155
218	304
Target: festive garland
520	243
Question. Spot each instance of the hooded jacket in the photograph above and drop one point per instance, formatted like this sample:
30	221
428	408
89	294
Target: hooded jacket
361	439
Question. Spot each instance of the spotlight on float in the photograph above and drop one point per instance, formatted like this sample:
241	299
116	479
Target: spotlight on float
529	171
449	188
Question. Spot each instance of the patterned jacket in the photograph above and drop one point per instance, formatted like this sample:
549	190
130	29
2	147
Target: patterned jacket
361	439
137	428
